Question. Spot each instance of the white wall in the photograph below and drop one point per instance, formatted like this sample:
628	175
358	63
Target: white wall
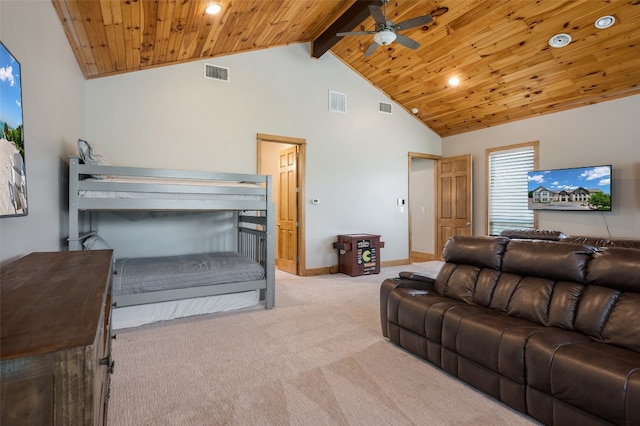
53	109
604	133
356	162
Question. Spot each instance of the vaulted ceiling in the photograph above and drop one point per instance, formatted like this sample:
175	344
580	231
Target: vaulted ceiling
499	49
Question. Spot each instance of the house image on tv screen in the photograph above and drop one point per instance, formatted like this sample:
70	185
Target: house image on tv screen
583	188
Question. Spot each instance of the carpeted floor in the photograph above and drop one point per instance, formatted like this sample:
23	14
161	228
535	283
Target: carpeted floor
317	358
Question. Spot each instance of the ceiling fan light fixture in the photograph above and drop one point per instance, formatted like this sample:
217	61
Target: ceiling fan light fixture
605	22
560	40
384	37
213	8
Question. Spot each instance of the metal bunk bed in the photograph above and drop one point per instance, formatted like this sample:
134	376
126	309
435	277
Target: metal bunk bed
95	188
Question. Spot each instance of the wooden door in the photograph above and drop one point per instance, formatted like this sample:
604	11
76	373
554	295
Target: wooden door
287	221
454	212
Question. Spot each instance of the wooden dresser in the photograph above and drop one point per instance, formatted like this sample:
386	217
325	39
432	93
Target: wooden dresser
55	347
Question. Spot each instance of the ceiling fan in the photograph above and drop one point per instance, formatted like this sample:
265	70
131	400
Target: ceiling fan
386	31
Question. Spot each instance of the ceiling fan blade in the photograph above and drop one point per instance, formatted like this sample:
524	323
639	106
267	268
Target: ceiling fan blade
413	22
372	48
377	15
350	33
407	42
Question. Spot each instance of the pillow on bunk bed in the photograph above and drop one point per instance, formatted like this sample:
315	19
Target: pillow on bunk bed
90	155
95	242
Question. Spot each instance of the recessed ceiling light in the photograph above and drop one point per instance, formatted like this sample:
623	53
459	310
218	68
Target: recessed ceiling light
213	8
560	40
605	22
454	81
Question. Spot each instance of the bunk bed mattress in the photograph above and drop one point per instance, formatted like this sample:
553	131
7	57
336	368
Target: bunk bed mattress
143	275
177	195
134	316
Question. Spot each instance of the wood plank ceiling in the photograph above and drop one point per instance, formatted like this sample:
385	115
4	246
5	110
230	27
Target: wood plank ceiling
497	48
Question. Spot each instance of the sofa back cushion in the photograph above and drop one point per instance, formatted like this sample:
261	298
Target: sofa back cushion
486	286
460	284
603	241
564	304
531	299
617	268
485	252
506	286
547	259
623	323
594	308
470	262
470	284
533	234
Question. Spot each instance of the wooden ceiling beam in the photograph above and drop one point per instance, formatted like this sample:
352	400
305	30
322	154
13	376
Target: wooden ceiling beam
353	16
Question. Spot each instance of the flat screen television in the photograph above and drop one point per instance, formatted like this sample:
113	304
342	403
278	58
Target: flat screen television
13	181
575	189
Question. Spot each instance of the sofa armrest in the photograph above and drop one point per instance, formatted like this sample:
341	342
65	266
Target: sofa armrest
420	277
414	280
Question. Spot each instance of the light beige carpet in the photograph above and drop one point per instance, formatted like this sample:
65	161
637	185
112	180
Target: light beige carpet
317	358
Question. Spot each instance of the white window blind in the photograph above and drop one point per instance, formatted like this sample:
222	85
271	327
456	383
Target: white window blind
508	196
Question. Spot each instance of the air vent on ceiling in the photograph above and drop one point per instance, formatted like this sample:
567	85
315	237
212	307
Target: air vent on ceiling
337	101
216	73
384	107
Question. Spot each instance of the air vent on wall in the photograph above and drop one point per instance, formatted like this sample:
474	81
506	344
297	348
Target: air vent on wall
337	101
384	107
216	73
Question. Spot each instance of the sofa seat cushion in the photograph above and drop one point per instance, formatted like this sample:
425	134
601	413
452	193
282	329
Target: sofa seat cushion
541	350
410	308
601	379
496	342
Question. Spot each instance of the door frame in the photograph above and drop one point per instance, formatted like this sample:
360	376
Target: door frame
261	139
435	158
437	189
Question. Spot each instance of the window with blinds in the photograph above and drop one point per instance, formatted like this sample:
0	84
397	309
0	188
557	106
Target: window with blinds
508	188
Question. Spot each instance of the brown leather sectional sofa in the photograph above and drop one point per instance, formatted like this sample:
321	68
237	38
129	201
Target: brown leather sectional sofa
551	328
